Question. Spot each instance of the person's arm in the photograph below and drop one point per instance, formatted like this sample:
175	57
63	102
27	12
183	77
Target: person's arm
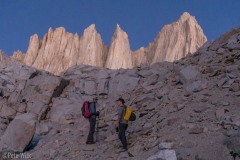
116	125
120	115
1	93
93	109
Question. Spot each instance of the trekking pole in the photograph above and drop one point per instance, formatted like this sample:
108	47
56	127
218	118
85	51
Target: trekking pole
133	101
97	128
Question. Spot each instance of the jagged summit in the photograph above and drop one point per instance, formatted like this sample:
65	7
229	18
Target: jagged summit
118	28
119	32
60	50
176	40
92	50
185	16
3	55
90	30
92	27
18	56
119	54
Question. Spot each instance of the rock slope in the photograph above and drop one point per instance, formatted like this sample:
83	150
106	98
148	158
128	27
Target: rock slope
186	110
60	50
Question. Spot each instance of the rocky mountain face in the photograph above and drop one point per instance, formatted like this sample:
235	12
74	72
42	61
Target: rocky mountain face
92	50
187	109
60	50
5	60
3	56
119	55
18	56
176	40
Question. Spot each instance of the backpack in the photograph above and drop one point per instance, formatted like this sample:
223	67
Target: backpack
85	110
129	115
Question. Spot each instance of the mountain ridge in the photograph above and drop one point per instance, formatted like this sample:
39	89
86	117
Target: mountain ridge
60	50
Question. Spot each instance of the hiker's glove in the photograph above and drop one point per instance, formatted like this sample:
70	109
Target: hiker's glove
97	113
116	129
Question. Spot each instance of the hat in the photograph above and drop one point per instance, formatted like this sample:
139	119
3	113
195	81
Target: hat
121	99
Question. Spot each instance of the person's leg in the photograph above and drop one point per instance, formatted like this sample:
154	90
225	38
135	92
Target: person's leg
91	129
119	135
122	135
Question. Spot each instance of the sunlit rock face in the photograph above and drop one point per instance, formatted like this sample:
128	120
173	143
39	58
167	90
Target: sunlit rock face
119	55
176	40
60	50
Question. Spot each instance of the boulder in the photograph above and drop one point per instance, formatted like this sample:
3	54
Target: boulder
37	107
151	80
40	87
19	133
221	82
234	42
237	93
152	142
165	145
188	74
103	87
137	149
22	107
145	73
122	83
220	113
196	86
235	87
90	87
123	156
7	111
164	155
13	98
102	74
20	85
147	125
43	128
61	110
199	108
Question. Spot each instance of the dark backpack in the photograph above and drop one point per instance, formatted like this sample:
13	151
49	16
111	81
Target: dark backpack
85	110
132	117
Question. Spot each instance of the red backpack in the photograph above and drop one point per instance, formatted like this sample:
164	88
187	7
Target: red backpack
85	110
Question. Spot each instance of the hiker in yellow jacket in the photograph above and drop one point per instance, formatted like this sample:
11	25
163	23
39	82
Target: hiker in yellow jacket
122	124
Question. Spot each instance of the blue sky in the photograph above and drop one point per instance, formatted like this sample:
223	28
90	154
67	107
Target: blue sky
141	19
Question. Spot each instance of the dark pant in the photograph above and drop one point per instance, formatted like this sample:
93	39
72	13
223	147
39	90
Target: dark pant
122	134
92	121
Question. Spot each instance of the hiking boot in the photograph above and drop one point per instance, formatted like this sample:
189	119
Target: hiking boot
89	142
120	146
123	150
130	154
